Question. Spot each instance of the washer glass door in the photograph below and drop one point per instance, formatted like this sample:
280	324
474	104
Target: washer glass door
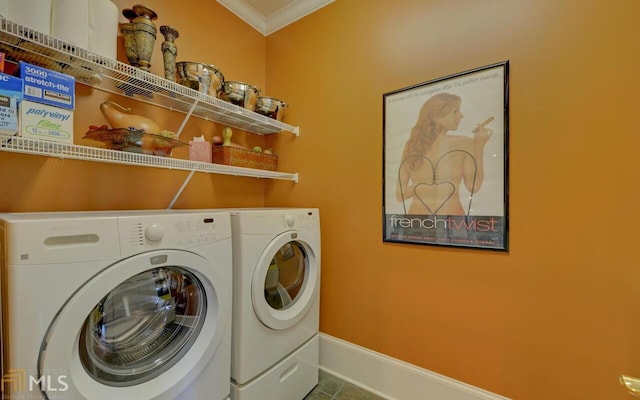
143	327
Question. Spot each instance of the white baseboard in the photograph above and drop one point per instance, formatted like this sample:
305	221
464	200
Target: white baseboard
391	378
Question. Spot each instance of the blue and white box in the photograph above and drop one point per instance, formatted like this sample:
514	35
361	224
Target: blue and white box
10	98
45	86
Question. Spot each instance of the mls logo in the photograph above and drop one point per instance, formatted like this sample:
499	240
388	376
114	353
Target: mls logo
17	380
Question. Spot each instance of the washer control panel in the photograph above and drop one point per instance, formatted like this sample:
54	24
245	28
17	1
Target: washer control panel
302	219
154	232
172	230
195	231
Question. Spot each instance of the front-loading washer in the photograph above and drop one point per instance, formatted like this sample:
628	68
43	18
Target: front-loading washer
117	305
276	274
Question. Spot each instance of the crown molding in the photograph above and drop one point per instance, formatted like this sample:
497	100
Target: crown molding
277	20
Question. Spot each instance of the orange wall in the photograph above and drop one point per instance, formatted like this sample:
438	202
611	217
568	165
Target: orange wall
554	318
557	317
213	35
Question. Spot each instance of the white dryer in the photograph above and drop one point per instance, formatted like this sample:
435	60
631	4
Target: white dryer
117	305
275	347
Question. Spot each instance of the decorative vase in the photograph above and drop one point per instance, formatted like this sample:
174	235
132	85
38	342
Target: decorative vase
169	51
128	34
145	34
120	117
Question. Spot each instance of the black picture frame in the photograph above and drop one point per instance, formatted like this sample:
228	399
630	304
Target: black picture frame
445	160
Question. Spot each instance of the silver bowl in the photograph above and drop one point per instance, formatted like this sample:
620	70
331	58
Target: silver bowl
271	107
204	78
240	93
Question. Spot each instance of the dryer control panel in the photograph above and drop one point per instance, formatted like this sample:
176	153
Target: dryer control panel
269	221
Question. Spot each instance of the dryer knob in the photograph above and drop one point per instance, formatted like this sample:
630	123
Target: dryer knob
154	232
290	220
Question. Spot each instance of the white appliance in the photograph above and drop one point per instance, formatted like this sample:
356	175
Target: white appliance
275	346
117	305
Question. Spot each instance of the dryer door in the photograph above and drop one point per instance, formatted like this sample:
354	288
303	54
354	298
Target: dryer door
286	280
145	326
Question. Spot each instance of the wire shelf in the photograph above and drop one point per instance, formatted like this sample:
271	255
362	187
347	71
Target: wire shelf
21	43
18	144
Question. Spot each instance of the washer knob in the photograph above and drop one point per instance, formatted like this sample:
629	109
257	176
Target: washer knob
154	232
289	219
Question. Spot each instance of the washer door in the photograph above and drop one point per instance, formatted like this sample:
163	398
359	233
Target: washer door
145	326
286	280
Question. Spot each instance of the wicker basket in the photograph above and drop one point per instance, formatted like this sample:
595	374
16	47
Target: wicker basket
244	158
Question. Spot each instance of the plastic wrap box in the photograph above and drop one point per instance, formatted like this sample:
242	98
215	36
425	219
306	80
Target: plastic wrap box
10	98
48	87
40	121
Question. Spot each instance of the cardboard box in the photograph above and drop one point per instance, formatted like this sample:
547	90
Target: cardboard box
48	87
10	98
40	121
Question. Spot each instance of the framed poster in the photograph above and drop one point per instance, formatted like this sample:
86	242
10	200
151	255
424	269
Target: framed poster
445	161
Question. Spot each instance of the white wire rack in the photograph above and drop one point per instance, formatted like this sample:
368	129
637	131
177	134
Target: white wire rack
21	43
18	144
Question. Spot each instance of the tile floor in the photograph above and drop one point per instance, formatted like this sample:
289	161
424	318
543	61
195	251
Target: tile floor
331	387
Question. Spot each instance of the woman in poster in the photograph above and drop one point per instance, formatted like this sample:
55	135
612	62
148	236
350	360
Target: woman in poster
435	162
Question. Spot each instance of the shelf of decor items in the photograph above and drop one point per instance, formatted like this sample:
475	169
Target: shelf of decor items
21	43
18	144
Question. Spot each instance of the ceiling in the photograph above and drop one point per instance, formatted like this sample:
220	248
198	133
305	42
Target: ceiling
267	16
